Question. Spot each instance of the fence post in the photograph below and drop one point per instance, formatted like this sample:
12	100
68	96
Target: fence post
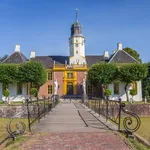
44	108
119	114
29	125
95	104
38	110
107	109
99	107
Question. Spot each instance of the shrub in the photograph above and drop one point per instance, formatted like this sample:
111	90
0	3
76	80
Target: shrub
107	92
133	92
34	92
6	93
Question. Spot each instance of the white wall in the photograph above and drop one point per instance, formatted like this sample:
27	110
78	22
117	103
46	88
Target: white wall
0	91
13	93
122	94
77	58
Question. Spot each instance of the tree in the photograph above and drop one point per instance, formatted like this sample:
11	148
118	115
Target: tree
146	84
3	58
8	74
133	53
102	73
130	73
32	72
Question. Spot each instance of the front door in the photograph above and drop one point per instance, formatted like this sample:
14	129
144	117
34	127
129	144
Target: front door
69	88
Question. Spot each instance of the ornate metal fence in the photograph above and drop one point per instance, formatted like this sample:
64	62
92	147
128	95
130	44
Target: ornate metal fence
115	112
32	111
38	108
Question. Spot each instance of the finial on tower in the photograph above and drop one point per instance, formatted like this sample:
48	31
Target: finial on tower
77	14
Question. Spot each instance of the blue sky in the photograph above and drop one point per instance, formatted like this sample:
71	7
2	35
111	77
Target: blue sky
44	25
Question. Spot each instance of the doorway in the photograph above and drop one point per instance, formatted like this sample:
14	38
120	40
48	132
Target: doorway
69	88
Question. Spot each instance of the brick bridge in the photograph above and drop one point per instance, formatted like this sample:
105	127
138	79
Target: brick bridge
71	126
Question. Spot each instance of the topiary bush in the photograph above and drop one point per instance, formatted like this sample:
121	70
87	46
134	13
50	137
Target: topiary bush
107	92
34	92
133	92
6	93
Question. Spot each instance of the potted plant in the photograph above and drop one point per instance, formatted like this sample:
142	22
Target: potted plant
6	93
34	92
133	92
107	93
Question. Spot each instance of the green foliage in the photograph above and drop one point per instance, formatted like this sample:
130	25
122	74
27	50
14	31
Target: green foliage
34	92
107	92
133	53
32	72
6	93
8	73
132	72
133	92
146	84
103	73
3	58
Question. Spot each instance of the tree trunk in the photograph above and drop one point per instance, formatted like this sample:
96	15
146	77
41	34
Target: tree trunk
125	88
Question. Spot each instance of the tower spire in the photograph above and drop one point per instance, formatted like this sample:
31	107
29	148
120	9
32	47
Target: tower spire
76	14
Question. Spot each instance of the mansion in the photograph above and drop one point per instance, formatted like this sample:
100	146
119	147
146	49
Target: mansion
70	71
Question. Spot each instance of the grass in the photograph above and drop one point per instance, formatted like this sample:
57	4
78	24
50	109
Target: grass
3	124
144	129
137	145
15	145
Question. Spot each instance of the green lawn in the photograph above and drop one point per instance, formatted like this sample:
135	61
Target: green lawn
3	124
144	130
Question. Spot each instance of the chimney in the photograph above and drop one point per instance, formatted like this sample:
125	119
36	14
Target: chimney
32	55
17	48
106	54
119	46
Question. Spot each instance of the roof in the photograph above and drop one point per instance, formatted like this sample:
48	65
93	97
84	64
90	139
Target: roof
120	56
48	61
60	59
16	58
45	60
92	59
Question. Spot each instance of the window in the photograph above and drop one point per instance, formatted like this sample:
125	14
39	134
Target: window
49	76
76	41
50	90
116	88
19	88
90	89
70	75
134	86
76	45
76	31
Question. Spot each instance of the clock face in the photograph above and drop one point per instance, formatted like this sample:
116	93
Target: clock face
76	30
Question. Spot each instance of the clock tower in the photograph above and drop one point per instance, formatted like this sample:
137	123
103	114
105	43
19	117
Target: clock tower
77	43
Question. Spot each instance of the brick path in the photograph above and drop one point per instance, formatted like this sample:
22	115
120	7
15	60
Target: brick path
72	127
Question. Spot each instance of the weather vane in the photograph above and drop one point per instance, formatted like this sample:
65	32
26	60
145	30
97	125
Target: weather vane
76	14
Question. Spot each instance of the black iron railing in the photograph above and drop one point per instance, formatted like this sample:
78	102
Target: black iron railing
115	111
38	108
32	111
